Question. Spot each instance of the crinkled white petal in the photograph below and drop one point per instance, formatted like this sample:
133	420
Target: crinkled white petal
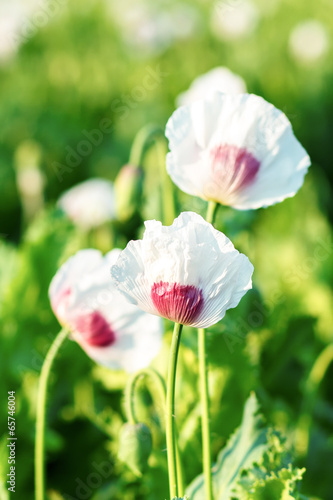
244	121
90	203
138	340
190	253
138	335
218	79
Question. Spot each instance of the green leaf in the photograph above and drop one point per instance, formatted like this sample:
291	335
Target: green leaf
281	485
244	448
254	465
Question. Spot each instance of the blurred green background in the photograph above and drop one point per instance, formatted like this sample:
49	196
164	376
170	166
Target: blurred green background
69	68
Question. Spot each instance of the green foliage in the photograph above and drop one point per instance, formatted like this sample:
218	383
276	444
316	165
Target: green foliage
135	446
253	465
75	71
4	468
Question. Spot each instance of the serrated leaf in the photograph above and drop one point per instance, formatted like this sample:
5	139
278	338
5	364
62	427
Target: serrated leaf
245	447
273	488
279	486
274	478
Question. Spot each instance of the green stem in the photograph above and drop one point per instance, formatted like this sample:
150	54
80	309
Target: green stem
205	423
141	143
211	211
319	369
130	391
315	377
170	411
180	472
203	384
166	186
161	393
41	410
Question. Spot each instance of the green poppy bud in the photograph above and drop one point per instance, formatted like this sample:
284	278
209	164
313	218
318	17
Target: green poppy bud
128	188
135	445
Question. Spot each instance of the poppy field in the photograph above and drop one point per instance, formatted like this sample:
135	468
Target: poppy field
166	269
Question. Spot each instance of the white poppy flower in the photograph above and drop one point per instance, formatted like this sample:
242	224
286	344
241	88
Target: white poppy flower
90	203
237	150
234	19
218	79
112	332
149	29
189	272
309	41
20	20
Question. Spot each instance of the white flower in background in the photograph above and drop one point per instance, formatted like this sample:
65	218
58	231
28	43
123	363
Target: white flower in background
10	26
233	19
20	20
90	203
236	150
113	332
218	79
150	28
185	20
309	41
189	272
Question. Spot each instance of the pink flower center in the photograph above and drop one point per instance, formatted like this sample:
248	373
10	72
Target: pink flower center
95	330
180	303
233	168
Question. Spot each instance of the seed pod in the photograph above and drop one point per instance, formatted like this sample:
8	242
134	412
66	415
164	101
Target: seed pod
135	445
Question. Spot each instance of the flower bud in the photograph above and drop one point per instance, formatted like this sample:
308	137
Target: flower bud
128	188
135	445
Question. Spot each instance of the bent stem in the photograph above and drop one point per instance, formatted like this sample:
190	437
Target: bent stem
40	416
130	391
142	142
170	412
132	418
203	384
205	423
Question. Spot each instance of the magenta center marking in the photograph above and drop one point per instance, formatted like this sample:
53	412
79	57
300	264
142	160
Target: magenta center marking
95	330
180	303
233	168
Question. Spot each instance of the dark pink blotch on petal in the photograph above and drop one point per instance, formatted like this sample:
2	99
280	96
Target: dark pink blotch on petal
233	168
95	330
180	303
